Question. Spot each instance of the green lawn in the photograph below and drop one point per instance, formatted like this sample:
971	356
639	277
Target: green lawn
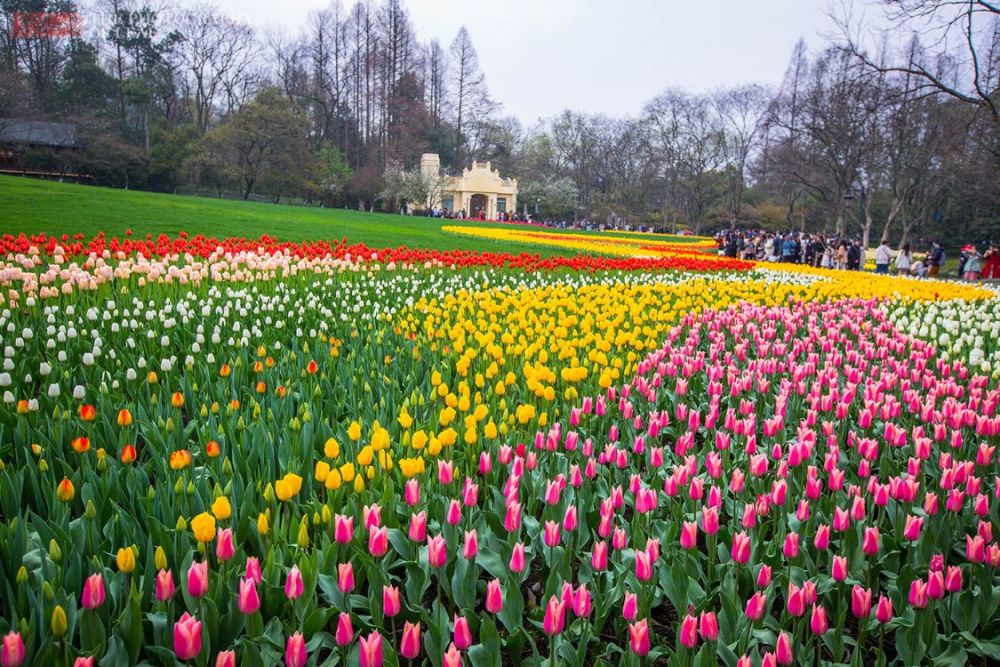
32	206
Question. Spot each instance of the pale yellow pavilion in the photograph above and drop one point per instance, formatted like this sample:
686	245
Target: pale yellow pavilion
480	189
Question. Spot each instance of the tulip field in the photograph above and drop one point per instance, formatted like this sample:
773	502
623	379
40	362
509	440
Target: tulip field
256	452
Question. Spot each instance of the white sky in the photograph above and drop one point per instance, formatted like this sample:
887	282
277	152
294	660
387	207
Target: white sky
599	56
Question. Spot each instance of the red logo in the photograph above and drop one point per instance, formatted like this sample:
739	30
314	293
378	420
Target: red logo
47	24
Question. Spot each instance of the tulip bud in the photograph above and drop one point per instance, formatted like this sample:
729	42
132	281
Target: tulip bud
58	622
55	553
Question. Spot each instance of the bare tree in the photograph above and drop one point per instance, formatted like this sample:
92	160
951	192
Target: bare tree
472	100
742	111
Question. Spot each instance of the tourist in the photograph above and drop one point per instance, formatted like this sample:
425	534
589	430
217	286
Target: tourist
973	264
991	263
883	257
789	250
935	260
841	256
826	261
854	256
904	260
920	267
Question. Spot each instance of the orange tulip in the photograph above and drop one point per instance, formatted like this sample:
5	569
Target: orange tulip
65	491
225	371
124	418
177	399
128	454
180	459
80	445
87	413
212	449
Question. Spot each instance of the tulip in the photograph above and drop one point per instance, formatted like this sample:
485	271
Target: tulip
391	604
437	551
912	529
839	568
689	535
452	658
295	651
708	626
517	559
918	594
471	546
883	612
454	513
164	585
630	607
12	652
494	597
818	622
253	570
639	637
710	520
555	616
247	600
861	601
93	592
197	579
689	631
552	534
418	527
370	650
783	649
345	630
791	548
740	551
462	634
953	579
935	585
581	601
870	542
411	494
599	556
764	576
225	659
755	606
378	541
409	645
371	515
643	568
224	549
343	529
345	577
187	637
768	659
82	661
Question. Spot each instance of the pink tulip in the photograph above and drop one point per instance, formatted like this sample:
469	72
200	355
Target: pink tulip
796	601
783	649
953	579
918	594
253	570
710	520
409	645
740	551
437	551
93	592
552	534
555	616
12	652
643	568
581	601
517	559
861	601
822	538
224	549
82	661
883	612
870	543
708	626
343	529
599	556
471	546
764	576
371	515
248	601
165	588
198	579
452	658
818	622
755	606
225	659
378	541
187	637
839	568
935	585
446	472
912	529
494	597
418	526
454	514
391	604
791	548
294	587
345	630
768	659
411	492
689	535
295	651
370	650
630	607
638	634
689	631
345	577
461	633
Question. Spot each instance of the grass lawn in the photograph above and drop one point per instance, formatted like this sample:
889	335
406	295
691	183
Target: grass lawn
32	206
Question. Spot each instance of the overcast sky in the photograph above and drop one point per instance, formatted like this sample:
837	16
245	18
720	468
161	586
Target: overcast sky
599	56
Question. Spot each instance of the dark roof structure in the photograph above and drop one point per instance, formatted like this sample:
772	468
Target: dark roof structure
37	133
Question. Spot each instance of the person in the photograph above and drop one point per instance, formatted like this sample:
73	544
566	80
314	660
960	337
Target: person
883	257
841	256
904	260
788	250
920	268
973	264
991	263
854	256
826	261
935	260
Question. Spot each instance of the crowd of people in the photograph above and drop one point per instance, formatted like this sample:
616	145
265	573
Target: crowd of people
838	252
